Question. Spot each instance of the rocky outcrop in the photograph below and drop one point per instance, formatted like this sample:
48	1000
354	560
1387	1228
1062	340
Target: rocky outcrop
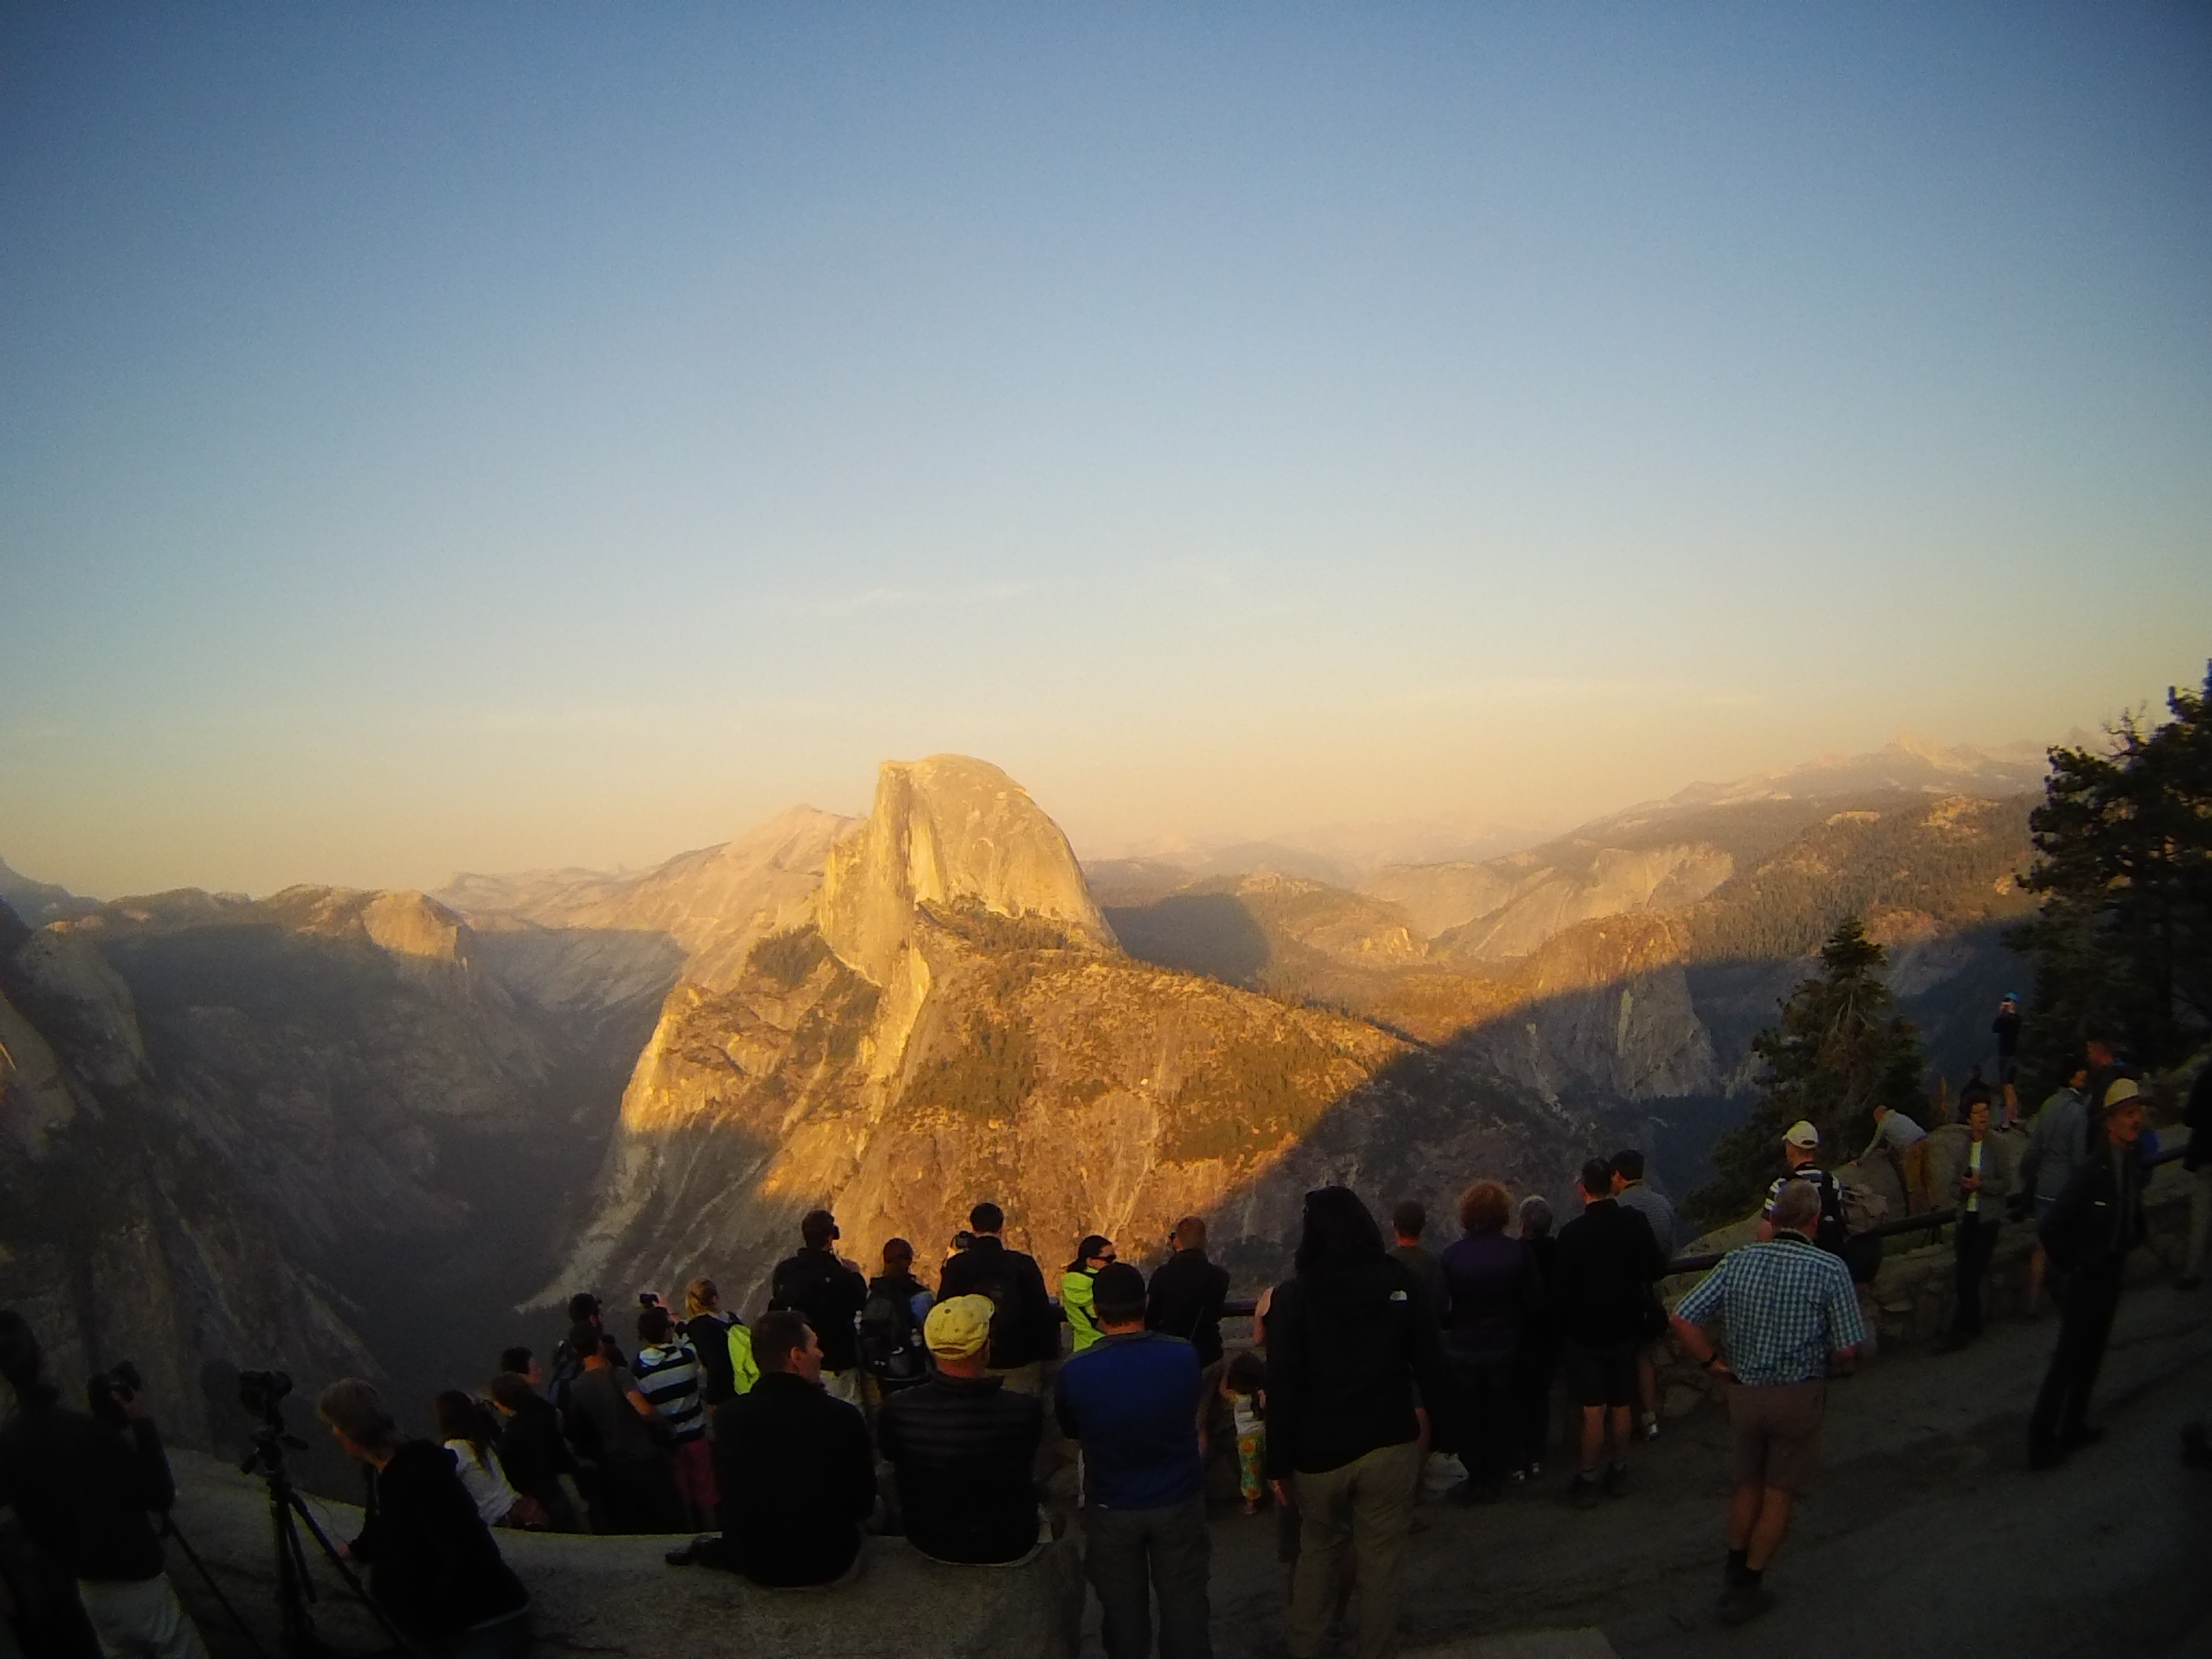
951	832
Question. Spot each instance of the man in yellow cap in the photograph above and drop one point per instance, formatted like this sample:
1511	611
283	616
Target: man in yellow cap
963	1446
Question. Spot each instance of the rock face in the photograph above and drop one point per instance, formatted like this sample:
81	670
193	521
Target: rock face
958	1025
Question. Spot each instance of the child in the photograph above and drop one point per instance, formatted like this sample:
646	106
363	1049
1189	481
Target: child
1244	1385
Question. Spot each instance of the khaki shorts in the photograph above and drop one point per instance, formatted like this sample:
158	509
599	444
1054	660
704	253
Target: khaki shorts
1777	1432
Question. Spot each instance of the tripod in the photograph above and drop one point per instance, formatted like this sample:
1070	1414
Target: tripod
295	1589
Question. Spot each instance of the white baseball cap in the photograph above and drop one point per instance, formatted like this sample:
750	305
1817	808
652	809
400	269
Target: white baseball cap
1801	1134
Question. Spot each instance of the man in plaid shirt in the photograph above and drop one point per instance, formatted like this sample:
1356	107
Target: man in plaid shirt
1789	1309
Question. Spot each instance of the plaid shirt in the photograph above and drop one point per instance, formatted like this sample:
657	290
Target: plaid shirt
1787	1305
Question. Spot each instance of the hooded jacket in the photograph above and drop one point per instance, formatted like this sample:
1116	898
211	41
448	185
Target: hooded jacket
1344	1349
432	1563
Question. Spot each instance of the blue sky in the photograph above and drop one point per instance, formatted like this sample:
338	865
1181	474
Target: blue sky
479	437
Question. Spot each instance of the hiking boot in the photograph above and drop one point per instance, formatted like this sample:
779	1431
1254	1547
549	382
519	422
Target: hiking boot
1616	1480
1743	1603
1583	1493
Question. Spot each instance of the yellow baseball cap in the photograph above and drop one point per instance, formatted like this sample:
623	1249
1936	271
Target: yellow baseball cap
959	1325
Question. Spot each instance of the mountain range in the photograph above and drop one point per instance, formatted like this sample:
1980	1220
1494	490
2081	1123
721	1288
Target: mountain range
335	1129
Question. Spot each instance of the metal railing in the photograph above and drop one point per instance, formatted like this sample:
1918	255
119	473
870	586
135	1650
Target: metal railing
1698	1262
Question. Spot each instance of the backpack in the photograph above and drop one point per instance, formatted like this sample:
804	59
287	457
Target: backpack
1860	1252
887	1337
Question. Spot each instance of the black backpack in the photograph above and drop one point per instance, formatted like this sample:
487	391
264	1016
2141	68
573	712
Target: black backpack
887	1340
1860	1252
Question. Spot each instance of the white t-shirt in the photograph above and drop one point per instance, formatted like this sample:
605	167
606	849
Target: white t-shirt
1973	1204
485	1480
1244	1411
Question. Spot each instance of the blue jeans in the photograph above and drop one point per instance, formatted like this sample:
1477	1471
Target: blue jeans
1133	1555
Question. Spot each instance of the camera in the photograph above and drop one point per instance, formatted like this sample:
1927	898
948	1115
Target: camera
262	1394
109	1391
962	1239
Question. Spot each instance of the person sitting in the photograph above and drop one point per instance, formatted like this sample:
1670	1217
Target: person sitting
962	1445
532	1449
432	1565
1132	1400
468	1436
794	1465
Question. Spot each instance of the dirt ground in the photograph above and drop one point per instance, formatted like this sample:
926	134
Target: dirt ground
1924	1533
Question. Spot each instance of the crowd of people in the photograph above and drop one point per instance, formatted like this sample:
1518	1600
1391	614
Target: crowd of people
857	1404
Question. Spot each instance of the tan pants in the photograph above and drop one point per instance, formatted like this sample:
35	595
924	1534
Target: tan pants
1370	1501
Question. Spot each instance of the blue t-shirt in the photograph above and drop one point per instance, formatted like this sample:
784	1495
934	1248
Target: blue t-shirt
1132	1401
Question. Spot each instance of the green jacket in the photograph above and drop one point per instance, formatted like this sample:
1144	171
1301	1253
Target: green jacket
1075	1290
743	1372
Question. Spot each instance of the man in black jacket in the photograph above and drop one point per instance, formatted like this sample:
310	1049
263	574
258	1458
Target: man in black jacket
83	1488
963	1446
1187	1290
2097	1220
829	1293
433	1566
797	1476
2196	1158
1604	1267
1024	1331
1348	1338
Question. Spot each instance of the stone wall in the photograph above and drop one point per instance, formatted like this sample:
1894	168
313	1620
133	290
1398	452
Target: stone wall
616	1596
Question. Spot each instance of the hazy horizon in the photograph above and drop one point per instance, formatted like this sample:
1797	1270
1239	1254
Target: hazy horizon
529	436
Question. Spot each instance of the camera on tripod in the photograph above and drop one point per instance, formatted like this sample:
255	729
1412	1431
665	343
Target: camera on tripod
109	1393
262	1394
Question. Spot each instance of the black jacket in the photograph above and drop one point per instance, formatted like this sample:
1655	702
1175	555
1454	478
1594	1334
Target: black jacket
1344	1351
964	1449
82	1488
1603	1269
534	1454
432	1563
1184	1299
2197	1114
709	1337
830	1295
2098	1217
797	1480
1023	1329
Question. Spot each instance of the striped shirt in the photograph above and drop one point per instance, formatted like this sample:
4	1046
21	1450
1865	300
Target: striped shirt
669	1378
1787	1305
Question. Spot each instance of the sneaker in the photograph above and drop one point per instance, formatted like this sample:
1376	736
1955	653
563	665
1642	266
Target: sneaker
1652	1428
1519	1477
1535	1469
1742	1604
1616	1480
1583	1493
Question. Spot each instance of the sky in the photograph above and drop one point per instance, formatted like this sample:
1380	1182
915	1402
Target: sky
486	437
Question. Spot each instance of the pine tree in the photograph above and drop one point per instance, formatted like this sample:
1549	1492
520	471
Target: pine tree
1838	1051
2124	940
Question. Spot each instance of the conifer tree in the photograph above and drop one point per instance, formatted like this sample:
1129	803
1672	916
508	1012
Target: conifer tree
1838	1052
2123	940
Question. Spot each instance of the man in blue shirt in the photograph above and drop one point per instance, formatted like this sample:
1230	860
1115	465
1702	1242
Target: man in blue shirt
1131	1400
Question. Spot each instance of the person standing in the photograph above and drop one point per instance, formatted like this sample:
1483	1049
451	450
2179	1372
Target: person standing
2057	1142
1790	1311
668	1375
1076	1306
829	1292
1606	1265
85	1489
1132	1401
433	1564
2006	1029
1982	1190
2196	1158
616	1427
1349	1336
891	1350
1025	1330
795	1464
1631	1192
1903	1144
1540	1348
1409	1219
2097	1220
1493	1297
963	1446
706	1329
1186	1292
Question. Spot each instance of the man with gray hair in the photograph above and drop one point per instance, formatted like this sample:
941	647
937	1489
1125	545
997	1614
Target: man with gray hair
1790	1311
